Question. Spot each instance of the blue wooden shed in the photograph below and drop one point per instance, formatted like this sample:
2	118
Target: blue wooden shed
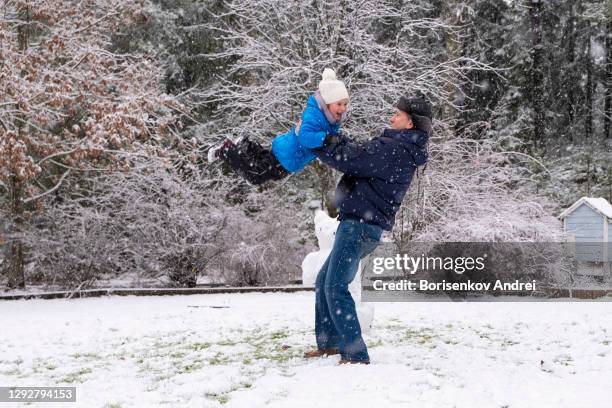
587	223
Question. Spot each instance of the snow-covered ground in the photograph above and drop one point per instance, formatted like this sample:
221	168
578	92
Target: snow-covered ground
231	351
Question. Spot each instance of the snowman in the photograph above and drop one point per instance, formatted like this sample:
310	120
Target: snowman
325	230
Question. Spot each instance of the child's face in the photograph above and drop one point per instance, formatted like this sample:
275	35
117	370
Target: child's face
400	120
338	108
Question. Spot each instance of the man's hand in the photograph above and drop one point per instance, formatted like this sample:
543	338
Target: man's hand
333	139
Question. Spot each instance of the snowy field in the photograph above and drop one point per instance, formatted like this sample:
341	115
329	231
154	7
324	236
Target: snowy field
244	350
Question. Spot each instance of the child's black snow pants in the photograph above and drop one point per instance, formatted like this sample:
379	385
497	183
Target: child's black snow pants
254	162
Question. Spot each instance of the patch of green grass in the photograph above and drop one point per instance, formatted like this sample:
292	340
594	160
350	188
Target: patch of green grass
393	327
266	346
178	354
222	398
421	336
76	376
254	338
273	352
188	356
279	334
91	356
160	344
191	366
219	359
198	346
112	405
40	365
375	343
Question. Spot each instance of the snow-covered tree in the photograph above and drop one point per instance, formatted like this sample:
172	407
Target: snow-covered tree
70	103
278	50
475	191
480	195
148	223
281	48
154	224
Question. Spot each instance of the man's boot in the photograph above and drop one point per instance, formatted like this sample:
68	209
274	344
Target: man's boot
321	352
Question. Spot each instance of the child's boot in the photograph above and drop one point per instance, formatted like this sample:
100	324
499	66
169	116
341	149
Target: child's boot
214	153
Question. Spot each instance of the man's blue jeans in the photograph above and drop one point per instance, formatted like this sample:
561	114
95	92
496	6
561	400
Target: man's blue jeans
336	323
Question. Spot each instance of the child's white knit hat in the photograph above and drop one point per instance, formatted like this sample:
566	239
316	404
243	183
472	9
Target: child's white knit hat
332	90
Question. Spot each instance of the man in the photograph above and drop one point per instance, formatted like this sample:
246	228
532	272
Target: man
377	175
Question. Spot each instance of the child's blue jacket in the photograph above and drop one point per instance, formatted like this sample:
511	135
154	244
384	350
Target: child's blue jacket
293	151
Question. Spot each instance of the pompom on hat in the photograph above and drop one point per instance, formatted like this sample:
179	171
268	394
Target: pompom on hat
331	89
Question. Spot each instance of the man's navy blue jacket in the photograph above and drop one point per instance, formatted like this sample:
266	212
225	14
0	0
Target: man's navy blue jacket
377	173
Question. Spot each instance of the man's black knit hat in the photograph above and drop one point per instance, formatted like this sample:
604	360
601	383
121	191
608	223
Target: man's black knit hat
415	106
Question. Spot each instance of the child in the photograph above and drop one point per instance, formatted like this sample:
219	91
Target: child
290	153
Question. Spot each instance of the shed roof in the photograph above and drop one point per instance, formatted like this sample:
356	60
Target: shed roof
601	205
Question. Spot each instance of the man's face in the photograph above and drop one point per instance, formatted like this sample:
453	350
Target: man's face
338	108
400	120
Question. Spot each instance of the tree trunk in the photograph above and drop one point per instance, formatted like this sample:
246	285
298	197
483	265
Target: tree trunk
608	80
588	126
463	119
452	13
16	269
537	75
571	58
16	263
